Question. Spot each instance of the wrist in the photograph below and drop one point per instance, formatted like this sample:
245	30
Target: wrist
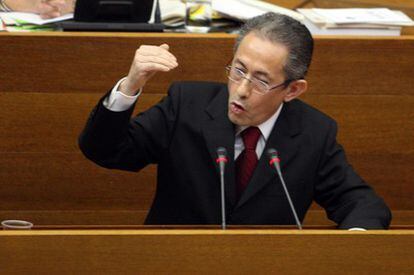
127	89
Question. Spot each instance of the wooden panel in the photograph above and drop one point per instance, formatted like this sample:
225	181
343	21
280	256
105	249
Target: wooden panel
207	252
44	170
73	217
93	63
316	216
68	181
43	174
81	217
369	124
52	123
353	66
49	122
42	181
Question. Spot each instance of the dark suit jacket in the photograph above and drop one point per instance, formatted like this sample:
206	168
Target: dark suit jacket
183	131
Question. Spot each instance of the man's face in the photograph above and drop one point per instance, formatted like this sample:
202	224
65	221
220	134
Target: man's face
263	60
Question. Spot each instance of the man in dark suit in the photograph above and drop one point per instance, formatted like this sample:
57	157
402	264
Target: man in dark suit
257	110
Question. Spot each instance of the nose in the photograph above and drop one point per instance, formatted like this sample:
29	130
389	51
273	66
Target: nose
243	89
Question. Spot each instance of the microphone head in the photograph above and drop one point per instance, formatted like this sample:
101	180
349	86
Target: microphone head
221	155
272	153
273	156
221	152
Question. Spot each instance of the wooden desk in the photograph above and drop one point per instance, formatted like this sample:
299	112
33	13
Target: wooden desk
206	251
50	81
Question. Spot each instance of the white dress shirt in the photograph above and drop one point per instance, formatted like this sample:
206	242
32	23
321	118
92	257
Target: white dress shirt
265	130
118	101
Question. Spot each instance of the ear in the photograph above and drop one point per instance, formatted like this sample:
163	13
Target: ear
295	89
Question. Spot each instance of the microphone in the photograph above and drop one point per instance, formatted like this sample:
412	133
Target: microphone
275	162
222	160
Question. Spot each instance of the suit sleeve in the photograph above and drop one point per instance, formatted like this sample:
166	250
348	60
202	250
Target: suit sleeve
114	140
347	199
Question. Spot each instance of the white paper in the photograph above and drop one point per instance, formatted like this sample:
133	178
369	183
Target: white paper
370	16
1	25
315	30
32	18
246	9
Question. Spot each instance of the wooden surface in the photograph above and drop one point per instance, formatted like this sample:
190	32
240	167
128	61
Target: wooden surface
50	82
91	62
206	252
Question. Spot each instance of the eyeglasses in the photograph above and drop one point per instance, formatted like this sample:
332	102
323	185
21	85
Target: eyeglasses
259	86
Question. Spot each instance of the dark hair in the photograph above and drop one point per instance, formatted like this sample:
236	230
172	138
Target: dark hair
287	31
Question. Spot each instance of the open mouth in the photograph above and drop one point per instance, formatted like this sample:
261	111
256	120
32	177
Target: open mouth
236	108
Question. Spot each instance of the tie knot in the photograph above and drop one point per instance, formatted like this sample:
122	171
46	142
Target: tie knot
250	137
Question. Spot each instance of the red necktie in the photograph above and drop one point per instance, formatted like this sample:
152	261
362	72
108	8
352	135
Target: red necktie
247	161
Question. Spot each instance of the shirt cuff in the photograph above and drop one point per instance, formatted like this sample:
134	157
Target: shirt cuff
118	101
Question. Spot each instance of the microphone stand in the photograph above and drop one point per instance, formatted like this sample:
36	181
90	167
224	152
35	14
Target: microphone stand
274	159
221	160
223	202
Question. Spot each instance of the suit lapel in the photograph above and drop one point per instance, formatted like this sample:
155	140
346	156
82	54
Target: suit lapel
218	131
282	139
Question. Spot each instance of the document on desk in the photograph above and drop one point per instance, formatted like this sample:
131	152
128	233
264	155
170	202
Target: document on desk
379	16
30	18
377	21
246	9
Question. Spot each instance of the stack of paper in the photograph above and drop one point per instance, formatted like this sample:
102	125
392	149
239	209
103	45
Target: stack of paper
2	26
22	21
378	21
173	11
246	9
225	12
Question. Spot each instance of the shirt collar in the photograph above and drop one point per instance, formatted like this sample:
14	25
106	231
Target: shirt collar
266	127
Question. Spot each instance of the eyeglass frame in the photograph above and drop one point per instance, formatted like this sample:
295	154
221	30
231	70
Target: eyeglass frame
253	81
